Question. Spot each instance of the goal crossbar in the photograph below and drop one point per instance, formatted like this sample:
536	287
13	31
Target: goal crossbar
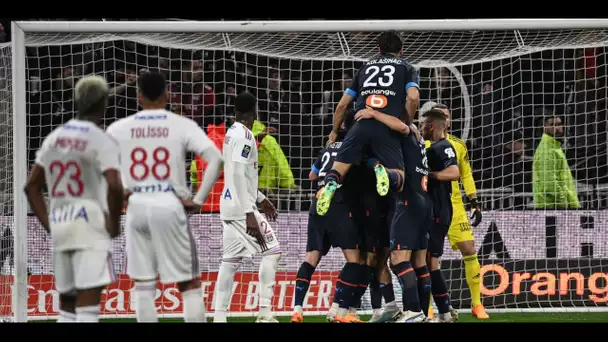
308	25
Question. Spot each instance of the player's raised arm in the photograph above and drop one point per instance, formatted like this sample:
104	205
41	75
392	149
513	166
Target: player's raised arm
413	94
199	143
33	191
347	98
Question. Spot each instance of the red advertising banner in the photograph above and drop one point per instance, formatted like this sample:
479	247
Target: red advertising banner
117	299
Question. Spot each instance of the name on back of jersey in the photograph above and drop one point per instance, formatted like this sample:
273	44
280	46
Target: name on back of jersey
71	143
149	132
385	60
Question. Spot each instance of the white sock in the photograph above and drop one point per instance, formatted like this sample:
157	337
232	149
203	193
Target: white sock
352	310
267	273
66	317
223	289
377	312
145	307
88	314
342	312
334	307
194	307
298	309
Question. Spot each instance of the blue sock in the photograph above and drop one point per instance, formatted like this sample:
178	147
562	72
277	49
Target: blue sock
333	175
303	282
387	292
405	273
424	288
347	282
374	289
439	288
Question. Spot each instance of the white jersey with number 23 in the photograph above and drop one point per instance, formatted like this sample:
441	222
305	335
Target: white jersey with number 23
74	157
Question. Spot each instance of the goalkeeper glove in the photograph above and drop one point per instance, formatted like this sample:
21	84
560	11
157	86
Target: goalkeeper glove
475	212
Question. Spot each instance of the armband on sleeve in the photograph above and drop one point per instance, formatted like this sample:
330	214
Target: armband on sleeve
260	198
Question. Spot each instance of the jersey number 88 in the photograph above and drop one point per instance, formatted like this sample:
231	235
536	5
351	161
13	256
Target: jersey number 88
159	168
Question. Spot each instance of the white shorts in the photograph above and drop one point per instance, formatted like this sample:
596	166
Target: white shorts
238	244
159	240
82	270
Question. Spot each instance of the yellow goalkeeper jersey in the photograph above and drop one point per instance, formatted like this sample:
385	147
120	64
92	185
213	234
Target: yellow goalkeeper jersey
466	174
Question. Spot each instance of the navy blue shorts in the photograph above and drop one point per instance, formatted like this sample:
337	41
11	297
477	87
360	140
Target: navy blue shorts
410	227
337	229
383	143
438	233
376	214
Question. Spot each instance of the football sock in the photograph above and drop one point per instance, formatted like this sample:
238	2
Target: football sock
333	175
145	307
405	273
194	307
374	289
303	282
424	288
267	275
347	284
223	288
388	294
439	289
66	317
472	269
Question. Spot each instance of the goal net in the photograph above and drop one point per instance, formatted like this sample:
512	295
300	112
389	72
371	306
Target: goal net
500	84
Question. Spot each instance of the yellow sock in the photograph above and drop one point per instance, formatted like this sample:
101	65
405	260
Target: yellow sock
472	268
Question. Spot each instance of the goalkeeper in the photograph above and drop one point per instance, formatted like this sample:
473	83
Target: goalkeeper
460	234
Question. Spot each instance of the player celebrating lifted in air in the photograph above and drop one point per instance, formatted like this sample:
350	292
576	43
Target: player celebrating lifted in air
80	164
246	231
411	221
460	234
154	143
443	170
336	229
389	84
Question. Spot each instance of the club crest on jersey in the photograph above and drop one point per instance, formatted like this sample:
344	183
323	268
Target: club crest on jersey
246	151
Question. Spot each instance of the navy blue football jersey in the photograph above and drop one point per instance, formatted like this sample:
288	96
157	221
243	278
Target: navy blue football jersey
382	84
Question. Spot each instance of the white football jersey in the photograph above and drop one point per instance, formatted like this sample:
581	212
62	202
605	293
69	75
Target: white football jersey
74	157
153	144
239	147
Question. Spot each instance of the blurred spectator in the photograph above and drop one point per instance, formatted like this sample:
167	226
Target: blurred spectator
63	89
192	97
553	185
275	172
2	34
513	168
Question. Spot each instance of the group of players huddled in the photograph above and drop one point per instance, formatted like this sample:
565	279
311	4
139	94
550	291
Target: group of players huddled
382	195
389	194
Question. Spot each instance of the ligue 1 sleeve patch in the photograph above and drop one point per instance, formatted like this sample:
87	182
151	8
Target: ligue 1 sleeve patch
246	151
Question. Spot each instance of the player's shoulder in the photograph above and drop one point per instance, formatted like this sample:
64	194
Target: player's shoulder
457	142
441	145
238	132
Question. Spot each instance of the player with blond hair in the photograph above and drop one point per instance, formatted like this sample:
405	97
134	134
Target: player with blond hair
80	164
460	233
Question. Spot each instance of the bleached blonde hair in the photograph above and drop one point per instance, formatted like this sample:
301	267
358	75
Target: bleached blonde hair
89	93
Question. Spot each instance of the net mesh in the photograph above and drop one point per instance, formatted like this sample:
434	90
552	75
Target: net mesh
500	85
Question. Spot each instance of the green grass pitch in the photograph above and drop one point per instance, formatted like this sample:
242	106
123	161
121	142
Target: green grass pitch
577	317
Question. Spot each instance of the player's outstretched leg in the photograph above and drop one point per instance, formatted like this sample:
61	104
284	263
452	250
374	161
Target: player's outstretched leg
67	308
192	295
223	287
145	307
303	278
267	275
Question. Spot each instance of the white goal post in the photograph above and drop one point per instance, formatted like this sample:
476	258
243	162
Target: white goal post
492	39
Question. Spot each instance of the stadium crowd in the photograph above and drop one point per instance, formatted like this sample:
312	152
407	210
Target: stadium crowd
509	101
